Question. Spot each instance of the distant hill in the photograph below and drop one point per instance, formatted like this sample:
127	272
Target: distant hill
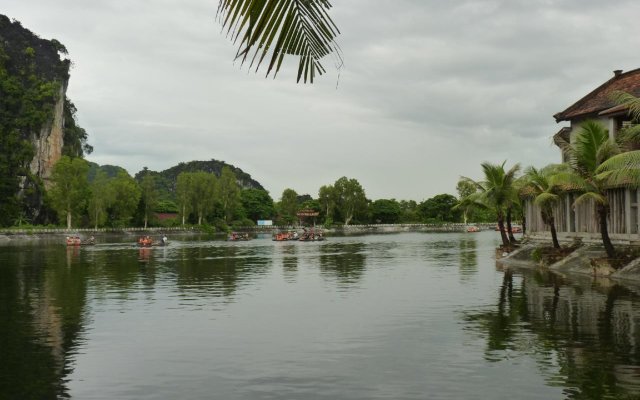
166	180
110	170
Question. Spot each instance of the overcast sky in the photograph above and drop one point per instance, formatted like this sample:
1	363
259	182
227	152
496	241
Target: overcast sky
429	90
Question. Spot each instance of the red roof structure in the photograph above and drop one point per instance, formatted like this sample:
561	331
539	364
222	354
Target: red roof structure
599	100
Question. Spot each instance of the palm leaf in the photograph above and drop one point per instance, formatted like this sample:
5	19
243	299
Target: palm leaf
546	199
629	100
282	27
621	170
597	197
569	181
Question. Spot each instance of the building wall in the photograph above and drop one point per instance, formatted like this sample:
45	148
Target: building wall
581	221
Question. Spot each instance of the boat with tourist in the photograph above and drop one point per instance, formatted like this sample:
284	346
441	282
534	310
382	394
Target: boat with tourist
76	241
237	237
285	236
312	235
147	241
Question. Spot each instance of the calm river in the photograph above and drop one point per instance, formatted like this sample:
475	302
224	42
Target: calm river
398	316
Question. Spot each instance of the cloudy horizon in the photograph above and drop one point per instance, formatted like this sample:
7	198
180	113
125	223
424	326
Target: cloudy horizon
429	89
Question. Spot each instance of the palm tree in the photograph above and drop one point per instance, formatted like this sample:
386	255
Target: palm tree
282	27
537	186
496	191
591	147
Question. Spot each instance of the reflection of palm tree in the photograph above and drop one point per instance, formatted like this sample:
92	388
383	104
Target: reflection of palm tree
468	256
564	322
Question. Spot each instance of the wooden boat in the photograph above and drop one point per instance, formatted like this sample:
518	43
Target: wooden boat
76	241
238	237
472	229
312	236
285	236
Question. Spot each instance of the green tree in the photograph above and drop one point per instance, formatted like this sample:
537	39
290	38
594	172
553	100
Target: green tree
149	196
350	198
204	189
184	185
409	211
100	199
282	27
126	196
439	208
590	148
327	199
386	211
465	189
229	193
537	186
498	192
70	189
257	204
288	206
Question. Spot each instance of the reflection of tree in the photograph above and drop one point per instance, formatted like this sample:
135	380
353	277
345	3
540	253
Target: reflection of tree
220	270
590	333
468	256
289	261
345	261
42	303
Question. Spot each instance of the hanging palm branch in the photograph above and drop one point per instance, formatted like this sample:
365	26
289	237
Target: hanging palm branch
301	28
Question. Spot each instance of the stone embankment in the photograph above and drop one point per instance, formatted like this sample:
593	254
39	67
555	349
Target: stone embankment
588	259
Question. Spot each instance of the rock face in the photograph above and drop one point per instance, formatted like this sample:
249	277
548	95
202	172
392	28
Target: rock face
48	142
34	74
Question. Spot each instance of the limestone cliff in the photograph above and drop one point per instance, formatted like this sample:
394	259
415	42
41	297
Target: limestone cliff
37	124
48	142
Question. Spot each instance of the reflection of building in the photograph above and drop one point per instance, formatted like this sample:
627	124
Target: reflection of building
581	221
596	332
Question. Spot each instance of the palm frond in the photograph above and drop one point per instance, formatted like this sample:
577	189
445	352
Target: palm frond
586	150
629	100
282	27
629	138
546	199
621	170
596	197
568	181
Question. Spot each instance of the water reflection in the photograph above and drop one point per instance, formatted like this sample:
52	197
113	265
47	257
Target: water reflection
468	256
345	262
42	303
57	303
289	261
588	335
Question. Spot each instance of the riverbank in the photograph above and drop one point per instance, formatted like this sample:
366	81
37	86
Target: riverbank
586	260
36	232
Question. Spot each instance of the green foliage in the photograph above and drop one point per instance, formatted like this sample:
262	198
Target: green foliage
439	208
149	197
166	206
385	211
75	138
349	198
288	207
257	204
101	198
70	189
126	195
228	193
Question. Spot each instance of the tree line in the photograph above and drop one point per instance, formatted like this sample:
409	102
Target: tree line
83	199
